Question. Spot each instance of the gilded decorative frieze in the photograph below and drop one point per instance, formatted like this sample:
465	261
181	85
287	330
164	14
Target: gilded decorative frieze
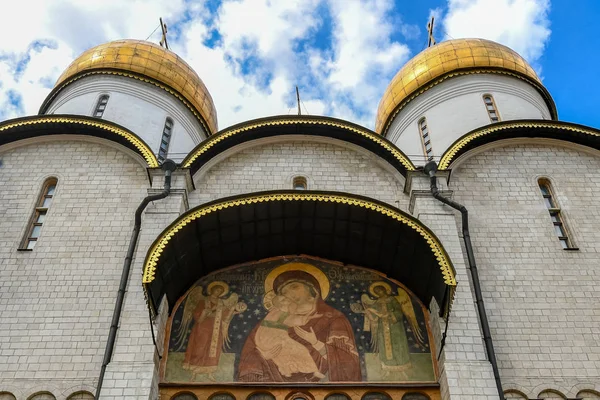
449	156
408	99
44	119
157	249
209	129
206	145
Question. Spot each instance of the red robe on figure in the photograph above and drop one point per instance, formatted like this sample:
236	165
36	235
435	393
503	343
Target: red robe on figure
339	359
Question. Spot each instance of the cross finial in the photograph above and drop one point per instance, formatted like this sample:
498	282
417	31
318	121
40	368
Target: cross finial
430	38
298	100
163	40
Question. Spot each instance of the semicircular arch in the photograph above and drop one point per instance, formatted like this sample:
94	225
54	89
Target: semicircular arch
46	125
261	143
569	132
515	394
336	226
588	394
551	394
297	125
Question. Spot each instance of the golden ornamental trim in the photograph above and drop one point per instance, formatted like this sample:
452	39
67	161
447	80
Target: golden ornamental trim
449	155
212	141
149	80
137	142
158	247
428	86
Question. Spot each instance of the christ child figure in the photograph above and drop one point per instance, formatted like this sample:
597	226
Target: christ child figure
272	333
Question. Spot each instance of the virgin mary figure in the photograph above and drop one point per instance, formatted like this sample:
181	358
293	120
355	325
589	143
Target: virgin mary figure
316	327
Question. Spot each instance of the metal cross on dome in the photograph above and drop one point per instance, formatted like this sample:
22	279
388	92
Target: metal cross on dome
163	40
430	38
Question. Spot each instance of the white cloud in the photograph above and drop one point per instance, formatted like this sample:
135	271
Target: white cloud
27	76
42	37
363	58
266	28
522	25
260	33
260	50
345	79
362	41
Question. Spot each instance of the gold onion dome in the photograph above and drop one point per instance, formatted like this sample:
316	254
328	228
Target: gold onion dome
447	59
149	62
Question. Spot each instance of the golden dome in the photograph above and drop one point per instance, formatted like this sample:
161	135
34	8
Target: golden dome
458	56
150	62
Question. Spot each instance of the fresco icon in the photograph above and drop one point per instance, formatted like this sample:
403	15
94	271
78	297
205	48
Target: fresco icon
383	317
298	319
304	339
210	316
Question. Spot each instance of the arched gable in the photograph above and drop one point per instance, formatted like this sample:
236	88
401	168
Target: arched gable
274	163
44	125
569	132
336	226
297	125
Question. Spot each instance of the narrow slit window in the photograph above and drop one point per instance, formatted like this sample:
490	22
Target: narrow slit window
426	139
299	183
101	106
490	106
39	214
165	140
560	229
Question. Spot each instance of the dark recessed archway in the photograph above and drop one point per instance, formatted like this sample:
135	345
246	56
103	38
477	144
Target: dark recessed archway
336	226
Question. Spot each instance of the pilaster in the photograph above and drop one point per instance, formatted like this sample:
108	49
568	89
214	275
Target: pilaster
465	372
133	372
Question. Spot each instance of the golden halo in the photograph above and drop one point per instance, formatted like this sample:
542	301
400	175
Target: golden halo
380	283
310	269
218	283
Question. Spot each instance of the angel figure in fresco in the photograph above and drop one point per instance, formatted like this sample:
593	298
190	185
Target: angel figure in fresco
210	316
384	318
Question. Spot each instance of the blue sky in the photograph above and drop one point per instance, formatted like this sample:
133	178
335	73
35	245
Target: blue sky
341	53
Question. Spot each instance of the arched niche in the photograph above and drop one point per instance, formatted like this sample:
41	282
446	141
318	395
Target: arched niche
222	396
261	396
551	394
415	396
42	396
512	394
588	394
184	396
376	396
82	395
298	319
337	396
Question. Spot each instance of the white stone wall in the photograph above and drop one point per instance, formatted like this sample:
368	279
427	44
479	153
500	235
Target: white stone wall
56	301
543	302
138	106
326	164
455	107
465	371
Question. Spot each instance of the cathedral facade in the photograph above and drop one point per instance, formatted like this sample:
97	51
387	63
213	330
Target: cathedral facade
451	253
